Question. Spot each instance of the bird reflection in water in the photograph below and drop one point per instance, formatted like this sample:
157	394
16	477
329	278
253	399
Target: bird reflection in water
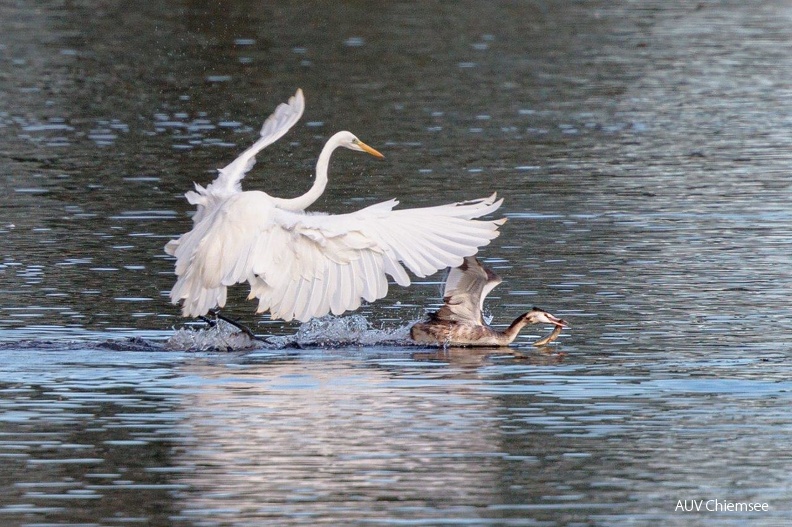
475	357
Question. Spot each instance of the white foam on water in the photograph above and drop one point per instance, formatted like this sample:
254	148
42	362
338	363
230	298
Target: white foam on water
326	332
220	336
352	330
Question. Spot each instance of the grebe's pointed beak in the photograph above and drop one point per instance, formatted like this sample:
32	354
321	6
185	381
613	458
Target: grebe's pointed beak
547	318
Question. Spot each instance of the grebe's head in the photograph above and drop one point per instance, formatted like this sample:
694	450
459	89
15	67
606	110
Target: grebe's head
539	316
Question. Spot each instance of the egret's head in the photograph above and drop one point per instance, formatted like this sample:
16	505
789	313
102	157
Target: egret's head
349	140
538	316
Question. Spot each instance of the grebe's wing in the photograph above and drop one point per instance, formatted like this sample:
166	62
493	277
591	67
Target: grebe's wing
465	290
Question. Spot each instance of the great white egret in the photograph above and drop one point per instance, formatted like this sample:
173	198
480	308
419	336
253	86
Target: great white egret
301	264
460	322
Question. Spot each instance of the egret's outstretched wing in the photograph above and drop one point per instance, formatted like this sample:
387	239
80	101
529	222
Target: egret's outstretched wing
305	265
228	181
465	290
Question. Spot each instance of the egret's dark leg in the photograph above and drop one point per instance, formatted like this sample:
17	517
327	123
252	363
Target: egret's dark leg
241	327
209	322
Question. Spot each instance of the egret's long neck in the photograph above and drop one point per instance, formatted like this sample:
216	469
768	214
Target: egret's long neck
307	199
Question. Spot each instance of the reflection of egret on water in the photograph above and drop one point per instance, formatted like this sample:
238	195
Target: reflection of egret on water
302	265
460	321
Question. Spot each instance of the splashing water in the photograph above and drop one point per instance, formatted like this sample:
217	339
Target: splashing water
331	331
220	336
326	332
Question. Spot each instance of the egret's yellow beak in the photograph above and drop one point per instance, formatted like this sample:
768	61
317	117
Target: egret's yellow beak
366	148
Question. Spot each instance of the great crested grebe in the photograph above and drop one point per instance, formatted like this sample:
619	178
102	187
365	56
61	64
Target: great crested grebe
460	323
302	265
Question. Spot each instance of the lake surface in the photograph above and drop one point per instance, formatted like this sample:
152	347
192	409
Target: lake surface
643	149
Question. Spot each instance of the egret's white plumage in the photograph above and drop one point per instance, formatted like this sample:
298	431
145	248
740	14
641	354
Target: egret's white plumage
301	265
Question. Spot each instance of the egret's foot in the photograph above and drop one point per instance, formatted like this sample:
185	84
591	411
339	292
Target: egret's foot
208	321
